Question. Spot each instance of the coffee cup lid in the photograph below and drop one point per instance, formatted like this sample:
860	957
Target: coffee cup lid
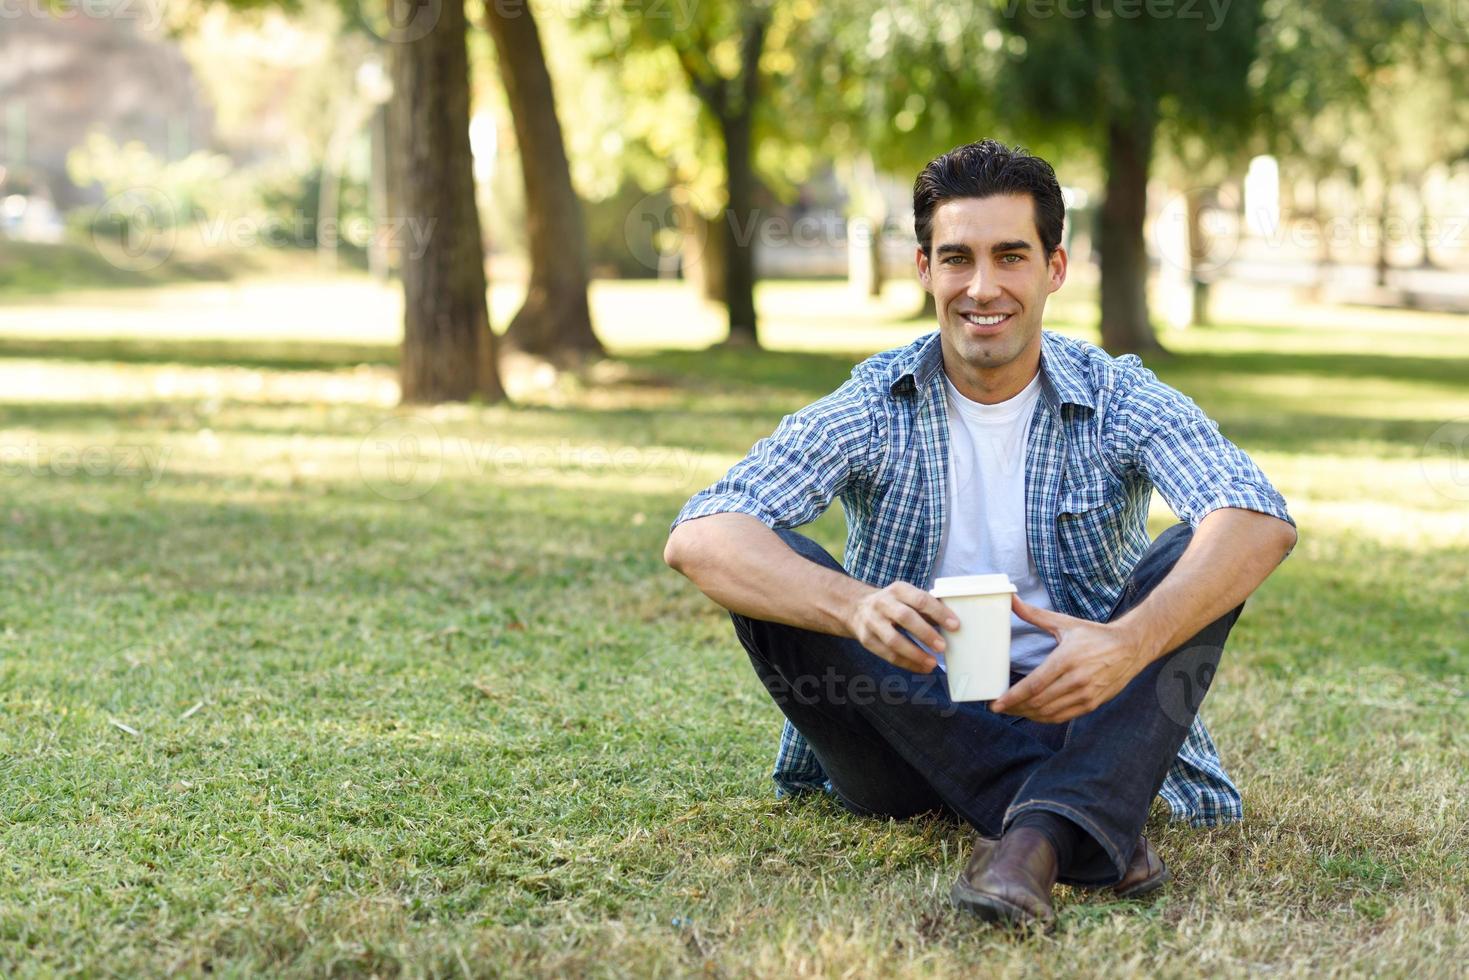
960	585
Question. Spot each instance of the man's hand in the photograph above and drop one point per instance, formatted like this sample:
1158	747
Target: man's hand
875	619
1092	662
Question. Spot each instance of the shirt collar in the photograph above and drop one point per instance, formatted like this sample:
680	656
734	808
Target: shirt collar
1061	378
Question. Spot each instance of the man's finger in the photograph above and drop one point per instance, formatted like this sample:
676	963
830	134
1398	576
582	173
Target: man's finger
905	653
929	607
918	628
1019	695
1059	712
1060	691
1046	619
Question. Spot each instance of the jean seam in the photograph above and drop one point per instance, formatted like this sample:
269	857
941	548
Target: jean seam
1070	813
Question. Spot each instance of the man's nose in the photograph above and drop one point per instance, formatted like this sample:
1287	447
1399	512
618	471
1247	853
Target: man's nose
982	286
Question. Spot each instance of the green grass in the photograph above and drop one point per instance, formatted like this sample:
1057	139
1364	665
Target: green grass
462	720
30	269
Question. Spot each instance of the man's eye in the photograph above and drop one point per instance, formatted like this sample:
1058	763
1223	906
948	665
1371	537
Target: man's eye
1006	259
952	259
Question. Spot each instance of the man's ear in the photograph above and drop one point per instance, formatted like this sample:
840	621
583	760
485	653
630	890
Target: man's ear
1057	263
922	259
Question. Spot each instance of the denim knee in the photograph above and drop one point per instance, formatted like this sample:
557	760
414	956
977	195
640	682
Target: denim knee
1163	554
808	549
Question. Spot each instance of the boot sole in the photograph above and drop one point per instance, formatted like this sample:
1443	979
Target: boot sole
1147	886
992	908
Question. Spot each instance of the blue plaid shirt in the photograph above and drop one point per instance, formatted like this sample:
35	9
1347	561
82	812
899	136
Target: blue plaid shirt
1105	433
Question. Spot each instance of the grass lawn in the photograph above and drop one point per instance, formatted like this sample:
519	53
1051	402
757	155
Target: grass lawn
295	683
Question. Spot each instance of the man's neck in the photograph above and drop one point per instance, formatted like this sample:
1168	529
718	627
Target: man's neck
990	387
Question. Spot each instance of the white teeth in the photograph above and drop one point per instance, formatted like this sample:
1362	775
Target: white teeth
985	321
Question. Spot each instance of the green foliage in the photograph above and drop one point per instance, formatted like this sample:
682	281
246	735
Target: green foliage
200	182
674	61
1072	73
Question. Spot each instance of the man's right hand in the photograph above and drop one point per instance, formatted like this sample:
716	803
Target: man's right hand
875	619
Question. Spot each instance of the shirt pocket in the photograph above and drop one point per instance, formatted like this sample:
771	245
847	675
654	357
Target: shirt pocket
1089	528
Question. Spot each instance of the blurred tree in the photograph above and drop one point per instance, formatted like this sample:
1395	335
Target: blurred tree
1090	71
554	321
720	46
885	89
1369	88
449	351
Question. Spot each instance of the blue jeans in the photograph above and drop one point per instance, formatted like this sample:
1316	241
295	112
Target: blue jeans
893	744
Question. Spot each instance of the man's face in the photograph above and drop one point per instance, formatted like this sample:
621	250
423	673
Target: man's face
990	277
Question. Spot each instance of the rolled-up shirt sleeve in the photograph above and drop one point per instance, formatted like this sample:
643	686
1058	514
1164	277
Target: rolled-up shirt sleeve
790	477
1180	450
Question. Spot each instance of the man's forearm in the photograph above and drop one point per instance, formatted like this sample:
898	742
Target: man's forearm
1231	553
744	566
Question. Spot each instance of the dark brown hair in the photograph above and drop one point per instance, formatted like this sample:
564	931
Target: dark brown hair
984	169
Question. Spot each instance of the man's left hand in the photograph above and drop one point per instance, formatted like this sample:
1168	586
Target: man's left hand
1091	663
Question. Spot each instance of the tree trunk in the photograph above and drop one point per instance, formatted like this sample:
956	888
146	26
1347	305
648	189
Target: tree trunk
554	322
1198	256
378	259
1320	279
448	348
1425	226
703	252
1126	326
739	229
868	217
1383	262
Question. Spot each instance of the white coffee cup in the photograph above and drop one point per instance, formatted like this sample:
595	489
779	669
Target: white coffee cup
977	654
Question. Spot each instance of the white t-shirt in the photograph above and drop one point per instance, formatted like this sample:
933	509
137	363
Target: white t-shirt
984	530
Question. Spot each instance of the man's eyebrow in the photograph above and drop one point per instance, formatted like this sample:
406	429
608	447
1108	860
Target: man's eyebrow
959	248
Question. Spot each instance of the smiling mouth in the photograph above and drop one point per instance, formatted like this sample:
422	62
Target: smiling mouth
986	320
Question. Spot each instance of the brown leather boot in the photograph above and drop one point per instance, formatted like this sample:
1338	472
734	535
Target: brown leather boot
1010	882
1146	872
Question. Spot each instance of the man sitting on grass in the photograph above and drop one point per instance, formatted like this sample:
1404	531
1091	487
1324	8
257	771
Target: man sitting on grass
993	446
